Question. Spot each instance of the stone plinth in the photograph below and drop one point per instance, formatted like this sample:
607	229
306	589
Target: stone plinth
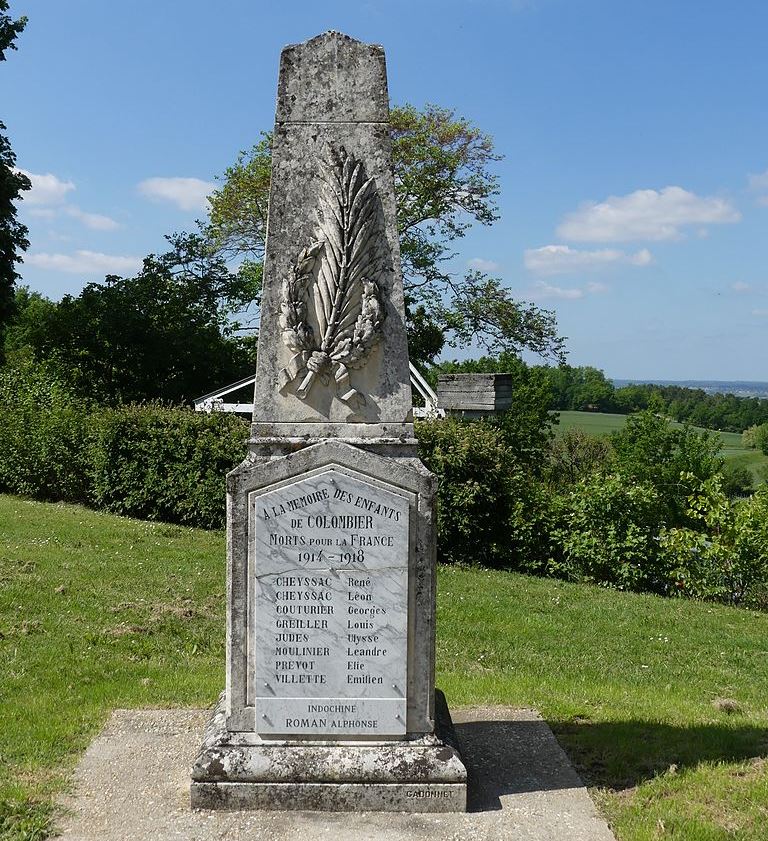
423	775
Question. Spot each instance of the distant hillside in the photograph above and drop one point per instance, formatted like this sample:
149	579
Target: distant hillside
741	388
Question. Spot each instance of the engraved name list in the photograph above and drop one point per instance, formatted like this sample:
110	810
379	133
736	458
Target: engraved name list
330	568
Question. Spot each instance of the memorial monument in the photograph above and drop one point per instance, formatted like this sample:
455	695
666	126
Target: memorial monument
330	700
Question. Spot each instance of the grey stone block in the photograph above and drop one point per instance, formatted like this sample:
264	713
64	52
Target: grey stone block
417	775
332	101
474	394
331	797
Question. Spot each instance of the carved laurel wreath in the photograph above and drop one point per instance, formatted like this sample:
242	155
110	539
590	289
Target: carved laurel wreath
342	267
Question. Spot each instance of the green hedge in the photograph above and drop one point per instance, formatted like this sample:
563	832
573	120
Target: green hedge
499	504
167	463
150	461
161	463
490	509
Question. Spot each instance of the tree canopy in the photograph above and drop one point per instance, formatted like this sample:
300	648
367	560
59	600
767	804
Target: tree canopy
443	184
166	333
13	235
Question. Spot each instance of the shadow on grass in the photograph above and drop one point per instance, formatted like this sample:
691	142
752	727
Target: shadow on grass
621	754
514	757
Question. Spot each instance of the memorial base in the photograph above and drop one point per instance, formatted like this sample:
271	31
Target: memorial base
239	771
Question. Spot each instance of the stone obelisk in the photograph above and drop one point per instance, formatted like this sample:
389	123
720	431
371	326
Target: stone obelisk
330	700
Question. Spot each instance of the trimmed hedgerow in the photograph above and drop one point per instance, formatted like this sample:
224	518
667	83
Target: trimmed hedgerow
164	463
151	461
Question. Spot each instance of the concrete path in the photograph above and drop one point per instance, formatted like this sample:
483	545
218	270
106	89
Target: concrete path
133	785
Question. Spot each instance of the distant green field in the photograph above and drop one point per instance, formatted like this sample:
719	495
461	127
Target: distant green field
595	423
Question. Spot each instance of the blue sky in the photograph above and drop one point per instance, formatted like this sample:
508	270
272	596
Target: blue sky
634	184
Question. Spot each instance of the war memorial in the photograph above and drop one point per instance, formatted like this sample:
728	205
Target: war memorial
330	700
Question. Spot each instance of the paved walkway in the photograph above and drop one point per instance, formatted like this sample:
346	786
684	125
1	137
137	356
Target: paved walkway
133	785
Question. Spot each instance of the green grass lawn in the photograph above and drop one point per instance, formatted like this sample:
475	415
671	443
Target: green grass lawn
597	423
98	612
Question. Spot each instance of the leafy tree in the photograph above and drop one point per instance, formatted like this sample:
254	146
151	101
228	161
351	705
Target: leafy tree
443	184
576	455
580	389
748	438
26	331
165	333
528	424
649	450
761	437
693	405
13	235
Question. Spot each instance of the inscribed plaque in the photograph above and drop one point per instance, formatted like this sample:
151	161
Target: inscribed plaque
330	578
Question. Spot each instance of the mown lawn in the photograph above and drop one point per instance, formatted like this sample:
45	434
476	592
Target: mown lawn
662	705
597	423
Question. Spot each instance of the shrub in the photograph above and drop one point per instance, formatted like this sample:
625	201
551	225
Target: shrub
489	510
748	438
574	456
727	560
161	463
44	432
737	480
608	534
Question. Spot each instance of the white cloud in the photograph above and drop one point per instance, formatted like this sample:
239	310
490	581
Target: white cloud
483	265
759	183
740	286
760	313
561	259
47	197
84	262
645	215
94	221
545	290
596	288
185	193
46	189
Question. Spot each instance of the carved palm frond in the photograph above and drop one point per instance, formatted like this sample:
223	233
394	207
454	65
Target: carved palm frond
297	333
351	257
342	266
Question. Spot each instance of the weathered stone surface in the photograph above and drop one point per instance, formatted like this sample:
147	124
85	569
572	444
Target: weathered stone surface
331	797
474	394
332	78
332	203
331	588
330	698
414	488
417	775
